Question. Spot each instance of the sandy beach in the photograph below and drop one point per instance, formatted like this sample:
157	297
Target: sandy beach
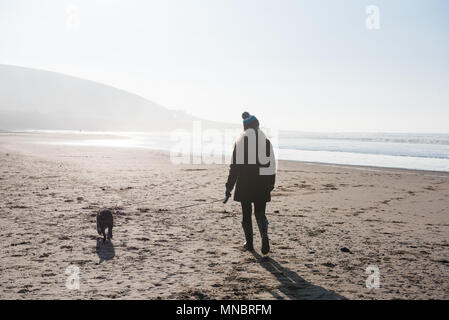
327	224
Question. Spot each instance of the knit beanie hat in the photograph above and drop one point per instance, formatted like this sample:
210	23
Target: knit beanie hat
249	121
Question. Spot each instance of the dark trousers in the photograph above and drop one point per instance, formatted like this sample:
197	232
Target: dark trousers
261	219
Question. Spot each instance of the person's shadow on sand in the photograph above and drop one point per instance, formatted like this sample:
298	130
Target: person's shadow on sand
105	250
292	285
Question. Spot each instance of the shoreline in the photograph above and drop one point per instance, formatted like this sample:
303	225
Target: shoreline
372	168
120	135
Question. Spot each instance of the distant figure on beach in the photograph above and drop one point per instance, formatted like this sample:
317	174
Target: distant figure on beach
253	171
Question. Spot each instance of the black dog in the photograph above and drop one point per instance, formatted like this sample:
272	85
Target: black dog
105	219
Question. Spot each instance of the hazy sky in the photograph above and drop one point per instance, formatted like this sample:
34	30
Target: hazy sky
305	65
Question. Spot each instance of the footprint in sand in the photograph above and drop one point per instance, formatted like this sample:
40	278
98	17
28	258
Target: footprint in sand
329	186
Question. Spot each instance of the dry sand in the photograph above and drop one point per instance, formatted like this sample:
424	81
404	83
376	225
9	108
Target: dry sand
397	220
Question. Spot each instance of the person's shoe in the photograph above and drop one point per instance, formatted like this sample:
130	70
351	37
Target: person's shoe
265	245
248	246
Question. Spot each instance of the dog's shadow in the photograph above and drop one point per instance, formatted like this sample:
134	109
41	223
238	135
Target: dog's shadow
105	250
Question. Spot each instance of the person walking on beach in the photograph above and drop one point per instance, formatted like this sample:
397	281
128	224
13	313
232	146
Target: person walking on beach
253	171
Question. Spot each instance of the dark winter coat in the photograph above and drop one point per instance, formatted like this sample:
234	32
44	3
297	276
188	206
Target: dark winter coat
252	183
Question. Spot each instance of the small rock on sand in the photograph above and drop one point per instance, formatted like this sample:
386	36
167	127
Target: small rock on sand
344	249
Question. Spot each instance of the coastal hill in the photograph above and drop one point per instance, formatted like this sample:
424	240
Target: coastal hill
37	99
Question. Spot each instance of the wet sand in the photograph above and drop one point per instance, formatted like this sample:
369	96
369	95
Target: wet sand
327	225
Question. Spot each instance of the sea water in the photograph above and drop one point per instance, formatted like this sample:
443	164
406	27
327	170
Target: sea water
393	150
